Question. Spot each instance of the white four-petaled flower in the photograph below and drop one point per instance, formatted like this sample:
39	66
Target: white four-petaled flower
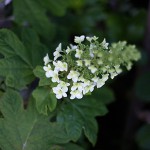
74	75
59	92
78	53
60	66
92	68
104	44
79	39
76	94
46	59
57	52
79	63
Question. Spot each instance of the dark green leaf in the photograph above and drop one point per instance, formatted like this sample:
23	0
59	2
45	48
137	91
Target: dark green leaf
143	137
143	87
35	50
69	146
40	73
44	100
103	94
57	7
26	129
15	65
80	114
30	12
11	46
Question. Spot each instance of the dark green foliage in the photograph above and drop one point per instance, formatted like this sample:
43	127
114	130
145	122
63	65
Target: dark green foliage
143	137
27	129
143	88
42	25
78	115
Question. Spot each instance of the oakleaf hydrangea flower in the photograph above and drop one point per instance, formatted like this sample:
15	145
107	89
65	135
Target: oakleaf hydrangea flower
104	44
78	53
57	52
82	68
79	39
46	60
74	75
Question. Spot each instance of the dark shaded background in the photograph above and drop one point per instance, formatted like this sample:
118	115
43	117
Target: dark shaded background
116	20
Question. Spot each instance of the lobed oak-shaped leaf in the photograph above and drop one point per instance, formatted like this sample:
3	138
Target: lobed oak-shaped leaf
22	129
78	115
15	65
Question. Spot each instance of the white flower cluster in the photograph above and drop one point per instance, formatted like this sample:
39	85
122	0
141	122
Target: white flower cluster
80	68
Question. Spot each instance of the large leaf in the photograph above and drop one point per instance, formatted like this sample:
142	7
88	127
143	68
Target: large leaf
143	137
26	129
80	114
44	100
15	65
35	50
30	12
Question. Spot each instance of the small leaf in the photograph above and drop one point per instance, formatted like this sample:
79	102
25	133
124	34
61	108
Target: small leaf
40	73
26	129
44	100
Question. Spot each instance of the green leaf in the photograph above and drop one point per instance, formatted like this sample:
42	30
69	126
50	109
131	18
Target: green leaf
104	94
143	87
40	73
35	50
80	114
32	13
44	100
143	137
26	129
15	65
11	46
68	146
57	7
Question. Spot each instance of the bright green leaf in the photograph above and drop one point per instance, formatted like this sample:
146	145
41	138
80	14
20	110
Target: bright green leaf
80	114
22	129
44	100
